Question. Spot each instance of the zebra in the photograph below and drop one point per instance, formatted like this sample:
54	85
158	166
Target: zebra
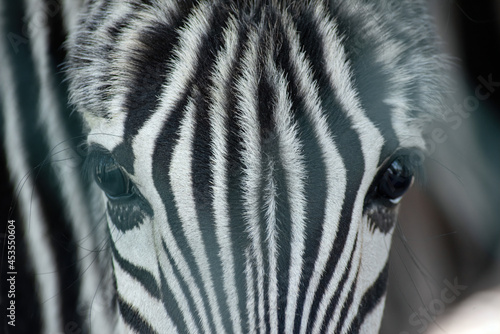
221	167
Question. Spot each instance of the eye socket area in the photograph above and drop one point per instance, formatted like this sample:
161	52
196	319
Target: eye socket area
126	208
111	179
394	181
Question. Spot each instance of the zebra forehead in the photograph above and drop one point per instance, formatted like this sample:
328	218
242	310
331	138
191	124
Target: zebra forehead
147	45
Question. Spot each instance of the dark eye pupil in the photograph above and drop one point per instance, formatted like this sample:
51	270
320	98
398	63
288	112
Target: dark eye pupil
111	180
395	181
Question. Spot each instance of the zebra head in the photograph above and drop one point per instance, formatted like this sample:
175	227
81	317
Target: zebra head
251	156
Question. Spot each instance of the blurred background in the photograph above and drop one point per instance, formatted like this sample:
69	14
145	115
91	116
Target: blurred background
445	261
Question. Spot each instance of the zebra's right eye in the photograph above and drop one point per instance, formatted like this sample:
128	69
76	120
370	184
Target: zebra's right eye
395	181
111	179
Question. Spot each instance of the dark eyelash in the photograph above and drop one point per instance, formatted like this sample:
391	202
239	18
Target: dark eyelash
415	159
95	154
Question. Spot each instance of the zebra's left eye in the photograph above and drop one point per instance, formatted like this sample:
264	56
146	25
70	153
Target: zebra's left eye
395	181
111	179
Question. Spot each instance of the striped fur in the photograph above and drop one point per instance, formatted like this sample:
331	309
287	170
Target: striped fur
252	133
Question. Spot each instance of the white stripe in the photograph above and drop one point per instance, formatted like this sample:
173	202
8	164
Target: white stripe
145	142
270	206
126	241
185	60
389	52
249	124
72	191
180	298
128	46
162	232
107	133
294	166
150	309
218	133
371	140
182	188
71	10
136	245
335	177
372	320
332	287
251	296
37	236
34	226
376	246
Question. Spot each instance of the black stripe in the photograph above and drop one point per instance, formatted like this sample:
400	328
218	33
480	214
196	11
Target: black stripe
19	58
202	158
57	32
370	78
163	152
28	319
169	303
270	155
46	182
118	28
256	296
141	275
315	185
149	64
347	304
234	175
347	140
66	245
266	99
107	50
168	139
98	17
132	317
371	299
202	180
128	214
334	301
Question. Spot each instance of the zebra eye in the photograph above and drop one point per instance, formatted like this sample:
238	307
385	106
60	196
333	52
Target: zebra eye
111	179
395	181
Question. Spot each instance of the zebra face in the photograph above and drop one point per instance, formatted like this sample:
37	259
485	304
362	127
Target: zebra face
251	158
